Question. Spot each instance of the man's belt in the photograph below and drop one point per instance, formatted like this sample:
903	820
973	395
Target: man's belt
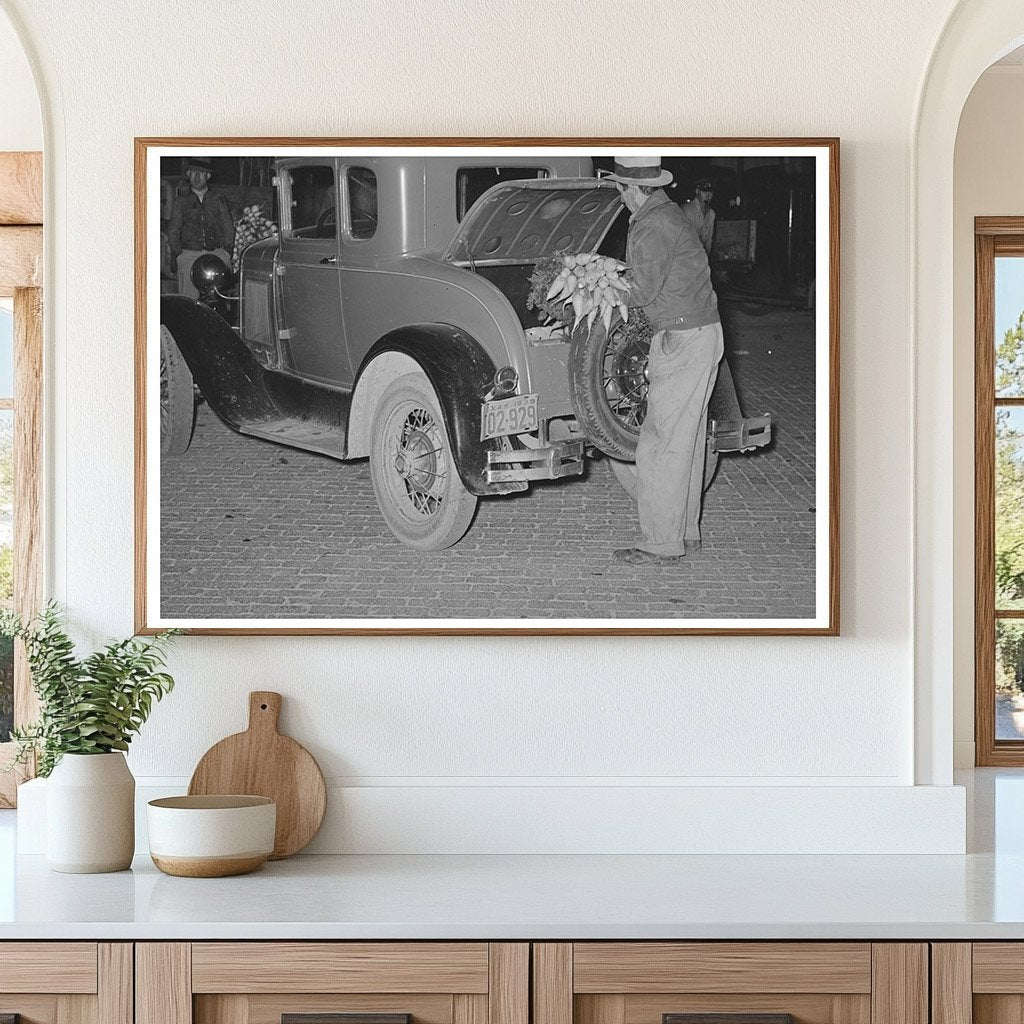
685	322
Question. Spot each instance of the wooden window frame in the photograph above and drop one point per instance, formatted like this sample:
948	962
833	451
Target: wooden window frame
21	278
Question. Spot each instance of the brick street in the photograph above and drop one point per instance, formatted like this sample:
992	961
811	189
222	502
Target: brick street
253	530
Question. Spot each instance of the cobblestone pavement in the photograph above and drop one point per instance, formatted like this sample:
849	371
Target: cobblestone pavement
253	530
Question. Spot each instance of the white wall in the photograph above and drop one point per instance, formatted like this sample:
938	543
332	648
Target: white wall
987	182
21	127
448	713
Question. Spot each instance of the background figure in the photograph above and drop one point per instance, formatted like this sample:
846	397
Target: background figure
200	222
698	211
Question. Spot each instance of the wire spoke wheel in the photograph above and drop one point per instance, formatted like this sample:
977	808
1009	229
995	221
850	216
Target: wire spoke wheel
415	479
177	399
608	385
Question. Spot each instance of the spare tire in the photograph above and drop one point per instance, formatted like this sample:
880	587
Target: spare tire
608	386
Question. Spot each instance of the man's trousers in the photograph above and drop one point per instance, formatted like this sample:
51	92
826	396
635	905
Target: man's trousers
682	369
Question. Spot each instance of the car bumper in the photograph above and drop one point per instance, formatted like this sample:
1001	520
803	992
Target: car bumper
554	460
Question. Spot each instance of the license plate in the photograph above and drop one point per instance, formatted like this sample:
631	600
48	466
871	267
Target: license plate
516	415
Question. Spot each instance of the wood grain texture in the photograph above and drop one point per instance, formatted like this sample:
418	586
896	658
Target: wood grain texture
262	762
21	188
467	1009
633	967
899	991
951	983
225	1009
143	624
998	967
304	967
65	967
600	1009
32	1009
163	983
21	258
998	1009
508	993
76	1009
115	996
552	983
28	483
268	1009
805	1008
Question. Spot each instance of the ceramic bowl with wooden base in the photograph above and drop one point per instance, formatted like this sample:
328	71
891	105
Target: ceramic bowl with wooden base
211	836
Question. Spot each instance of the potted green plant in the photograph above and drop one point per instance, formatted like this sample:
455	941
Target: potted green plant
89	710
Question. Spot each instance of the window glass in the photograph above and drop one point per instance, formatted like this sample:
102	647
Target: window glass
1009	679
1009	327
472	182
313	202
1009	525
362	202
6	353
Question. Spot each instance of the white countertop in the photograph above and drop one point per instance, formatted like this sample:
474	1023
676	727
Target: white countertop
977	896
516	897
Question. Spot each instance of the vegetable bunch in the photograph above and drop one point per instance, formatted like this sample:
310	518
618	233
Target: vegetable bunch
251	227
593	285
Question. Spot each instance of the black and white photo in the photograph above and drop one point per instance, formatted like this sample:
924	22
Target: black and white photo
443	387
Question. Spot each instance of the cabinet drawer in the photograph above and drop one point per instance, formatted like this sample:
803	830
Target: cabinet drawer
730	983
58	967
634	967
340	967
332	983
66	982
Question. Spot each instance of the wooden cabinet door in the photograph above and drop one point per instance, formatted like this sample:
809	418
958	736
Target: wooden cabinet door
332	983
66	982
978	983
730	983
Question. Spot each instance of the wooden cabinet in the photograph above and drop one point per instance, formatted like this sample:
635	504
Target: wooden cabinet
760	982
978	983
309	982
66	982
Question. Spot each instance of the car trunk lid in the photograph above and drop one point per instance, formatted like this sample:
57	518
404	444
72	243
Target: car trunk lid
521	222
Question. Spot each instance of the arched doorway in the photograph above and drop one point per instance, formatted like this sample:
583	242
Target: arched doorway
977	33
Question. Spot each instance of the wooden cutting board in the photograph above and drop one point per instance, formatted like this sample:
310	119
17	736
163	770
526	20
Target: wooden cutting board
262	762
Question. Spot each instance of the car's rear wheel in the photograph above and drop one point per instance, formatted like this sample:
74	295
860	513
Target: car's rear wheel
418	489
608	386
177	398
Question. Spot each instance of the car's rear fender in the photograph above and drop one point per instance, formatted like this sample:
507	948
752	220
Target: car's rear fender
460	372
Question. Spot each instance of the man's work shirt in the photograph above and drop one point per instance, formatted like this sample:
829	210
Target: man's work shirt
201	223
668	268
703	221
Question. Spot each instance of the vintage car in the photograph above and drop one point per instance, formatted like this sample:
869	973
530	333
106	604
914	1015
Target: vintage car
389	320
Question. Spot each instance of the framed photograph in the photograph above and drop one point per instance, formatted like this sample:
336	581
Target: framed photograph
498	386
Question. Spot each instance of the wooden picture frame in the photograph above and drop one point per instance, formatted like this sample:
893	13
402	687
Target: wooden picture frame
814	161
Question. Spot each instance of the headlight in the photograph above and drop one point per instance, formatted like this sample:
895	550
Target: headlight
506	381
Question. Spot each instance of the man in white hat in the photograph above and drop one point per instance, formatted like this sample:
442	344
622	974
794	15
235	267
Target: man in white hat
671	281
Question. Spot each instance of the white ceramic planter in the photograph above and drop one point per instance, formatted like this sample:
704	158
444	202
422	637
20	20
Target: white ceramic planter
90	814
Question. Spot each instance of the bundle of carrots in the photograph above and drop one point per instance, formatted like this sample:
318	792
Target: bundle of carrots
593	285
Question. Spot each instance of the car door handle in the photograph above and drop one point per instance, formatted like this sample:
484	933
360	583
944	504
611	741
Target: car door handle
329	259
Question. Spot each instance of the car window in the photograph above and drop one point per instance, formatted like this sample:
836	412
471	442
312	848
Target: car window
313	202
472	182
362	202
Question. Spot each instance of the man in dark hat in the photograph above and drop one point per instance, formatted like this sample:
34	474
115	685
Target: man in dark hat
698	209
200	222
671	281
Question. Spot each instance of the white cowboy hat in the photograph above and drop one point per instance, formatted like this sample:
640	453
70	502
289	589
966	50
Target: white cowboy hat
640	170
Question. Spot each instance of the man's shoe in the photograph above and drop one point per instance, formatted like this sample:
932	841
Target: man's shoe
637	556
691	547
